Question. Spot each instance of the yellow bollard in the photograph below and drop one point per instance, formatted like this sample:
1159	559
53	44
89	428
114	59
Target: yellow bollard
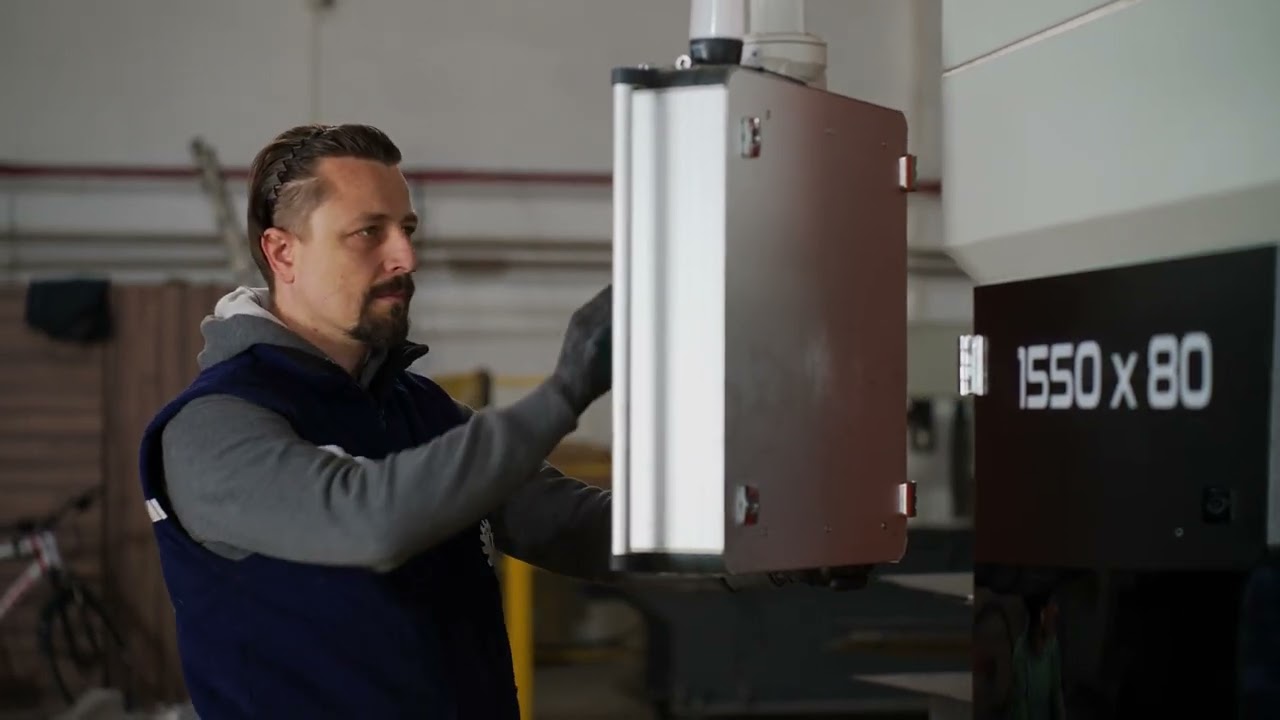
517	602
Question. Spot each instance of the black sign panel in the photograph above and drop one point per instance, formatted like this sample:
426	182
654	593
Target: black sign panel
1127	420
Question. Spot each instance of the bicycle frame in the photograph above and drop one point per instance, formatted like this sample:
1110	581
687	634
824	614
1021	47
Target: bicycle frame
43	546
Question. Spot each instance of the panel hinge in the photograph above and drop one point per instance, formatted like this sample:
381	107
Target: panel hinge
746	505
907	173
973	365
907	499
751	137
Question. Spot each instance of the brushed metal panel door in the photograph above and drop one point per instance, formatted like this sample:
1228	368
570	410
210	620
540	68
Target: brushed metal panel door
815	346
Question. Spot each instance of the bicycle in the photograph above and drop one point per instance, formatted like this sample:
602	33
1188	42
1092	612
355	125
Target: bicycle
73	615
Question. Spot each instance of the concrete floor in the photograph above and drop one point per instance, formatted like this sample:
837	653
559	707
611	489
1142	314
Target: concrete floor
608	691
594	691
588	692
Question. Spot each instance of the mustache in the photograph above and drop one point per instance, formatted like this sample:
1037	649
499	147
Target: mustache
398	285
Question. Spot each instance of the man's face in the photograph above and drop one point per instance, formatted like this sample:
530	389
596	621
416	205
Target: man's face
353	268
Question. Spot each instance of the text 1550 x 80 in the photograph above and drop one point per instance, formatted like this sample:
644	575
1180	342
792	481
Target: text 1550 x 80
1178	374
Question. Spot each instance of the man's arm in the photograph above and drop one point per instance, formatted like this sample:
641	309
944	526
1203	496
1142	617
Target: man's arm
241	481
556	523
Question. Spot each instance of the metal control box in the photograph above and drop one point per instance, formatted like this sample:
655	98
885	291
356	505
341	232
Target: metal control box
759	324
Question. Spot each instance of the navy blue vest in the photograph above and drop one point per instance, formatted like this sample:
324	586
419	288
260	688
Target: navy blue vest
266	638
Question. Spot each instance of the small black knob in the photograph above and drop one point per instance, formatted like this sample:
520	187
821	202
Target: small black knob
1216	505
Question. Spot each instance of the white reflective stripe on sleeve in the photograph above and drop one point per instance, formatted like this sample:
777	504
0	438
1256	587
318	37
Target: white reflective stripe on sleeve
156	512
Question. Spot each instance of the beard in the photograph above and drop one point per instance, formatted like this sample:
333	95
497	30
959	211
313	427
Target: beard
383	328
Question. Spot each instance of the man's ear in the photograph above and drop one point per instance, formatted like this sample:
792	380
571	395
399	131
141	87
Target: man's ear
278	247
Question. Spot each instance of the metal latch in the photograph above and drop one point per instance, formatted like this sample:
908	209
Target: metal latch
973	365
907	499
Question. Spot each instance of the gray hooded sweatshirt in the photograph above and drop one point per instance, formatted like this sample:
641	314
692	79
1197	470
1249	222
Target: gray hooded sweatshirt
242	482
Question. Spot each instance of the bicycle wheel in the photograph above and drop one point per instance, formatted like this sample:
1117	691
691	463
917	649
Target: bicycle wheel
83	649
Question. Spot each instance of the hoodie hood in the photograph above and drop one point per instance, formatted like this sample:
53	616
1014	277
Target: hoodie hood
240	320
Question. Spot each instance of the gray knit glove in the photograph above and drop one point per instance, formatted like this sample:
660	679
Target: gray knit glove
585	369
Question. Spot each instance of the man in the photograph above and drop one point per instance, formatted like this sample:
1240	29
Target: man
324	515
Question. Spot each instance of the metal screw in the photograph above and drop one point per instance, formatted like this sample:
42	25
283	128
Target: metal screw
684	62
1177	532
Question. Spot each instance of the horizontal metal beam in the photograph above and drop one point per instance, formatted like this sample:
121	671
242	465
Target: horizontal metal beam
203	252
452	176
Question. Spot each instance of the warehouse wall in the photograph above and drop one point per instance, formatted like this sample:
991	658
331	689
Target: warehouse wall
458	83
71	419
51	424
1084	134
488	83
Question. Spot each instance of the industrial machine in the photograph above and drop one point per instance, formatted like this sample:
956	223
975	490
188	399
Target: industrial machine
1112	176
759	308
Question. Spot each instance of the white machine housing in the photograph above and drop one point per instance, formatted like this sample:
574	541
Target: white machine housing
1085	134
759	324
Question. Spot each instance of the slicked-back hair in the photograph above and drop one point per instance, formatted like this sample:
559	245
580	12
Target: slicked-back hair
283	187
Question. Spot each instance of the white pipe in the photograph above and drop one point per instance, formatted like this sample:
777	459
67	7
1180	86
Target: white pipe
778	41
776	16
717	19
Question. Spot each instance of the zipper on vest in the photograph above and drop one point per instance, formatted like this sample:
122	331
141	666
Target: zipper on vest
382	376
367	395
378	408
